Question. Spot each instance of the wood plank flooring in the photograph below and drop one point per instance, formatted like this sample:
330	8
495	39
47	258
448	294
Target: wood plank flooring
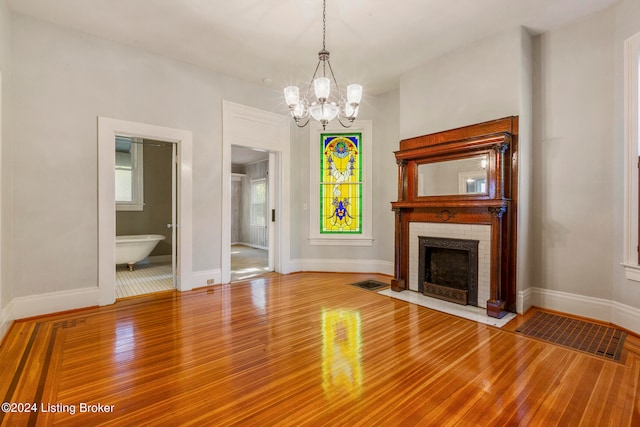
301	349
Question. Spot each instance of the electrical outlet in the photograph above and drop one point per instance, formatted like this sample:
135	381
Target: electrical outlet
210	281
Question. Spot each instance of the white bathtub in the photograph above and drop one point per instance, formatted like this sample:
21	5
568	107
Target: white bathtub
132	249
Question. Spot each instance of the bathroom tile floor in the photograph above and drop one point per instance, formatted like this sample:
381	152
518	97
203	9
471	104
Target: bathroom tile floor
144	279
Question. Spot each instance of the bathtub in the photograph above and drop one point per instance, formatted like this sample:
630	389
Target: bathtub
132	249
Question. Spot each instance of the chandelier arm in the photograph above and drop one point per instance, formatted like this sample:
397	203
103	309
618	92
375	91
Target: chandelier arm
335	80
342	124
304	124
312	79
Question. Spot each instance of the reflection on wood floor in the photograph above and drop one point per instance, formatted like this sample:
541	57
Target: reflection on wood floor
302	349
248	262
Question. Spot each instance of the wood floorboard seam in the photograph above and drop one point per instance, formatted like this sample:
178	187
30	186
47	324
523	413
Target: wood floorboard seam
16	377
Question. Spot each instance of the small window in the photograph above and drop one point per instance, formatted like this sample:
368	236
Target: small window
129	171
259	202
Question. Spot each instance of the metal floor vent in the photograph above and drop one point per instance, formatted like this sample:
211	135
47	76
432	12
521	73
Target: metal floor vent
370	285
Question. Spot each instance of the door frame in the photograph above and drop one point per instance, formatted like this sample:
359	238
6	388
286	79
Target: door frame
107	130
254	128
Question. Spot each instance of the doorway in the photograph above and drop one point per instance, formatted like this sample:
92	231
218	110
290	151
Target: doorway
182	140
251	221
145	200
244	126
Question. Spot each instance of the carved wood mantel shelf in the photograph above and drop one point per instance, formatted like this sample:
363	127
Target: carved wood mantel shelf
494	204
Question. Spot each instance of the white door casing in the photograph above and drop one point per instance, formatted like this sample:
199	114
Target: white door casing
107	130
250	127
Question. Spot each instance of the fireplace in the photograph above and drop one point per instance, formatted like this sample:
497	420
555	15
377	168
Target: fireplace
433	173
448	269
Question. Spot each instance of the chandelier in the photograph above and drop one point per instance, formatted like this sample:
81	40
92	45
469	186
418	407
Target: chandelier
324	108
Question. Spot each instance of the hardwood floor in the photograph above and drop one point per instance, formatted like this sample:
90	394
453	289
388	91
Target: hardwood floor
248	262
302	349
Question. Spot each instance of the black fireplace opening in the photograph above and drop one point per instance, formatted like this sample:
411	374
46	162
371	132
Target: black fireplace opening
448	269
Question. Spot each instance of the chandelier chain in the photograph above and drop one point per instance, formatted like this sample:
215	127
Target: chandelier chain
325	108
324	23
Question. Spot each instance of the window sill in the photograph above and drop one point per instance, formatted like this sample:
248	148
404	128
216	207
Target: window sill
340	241
632	271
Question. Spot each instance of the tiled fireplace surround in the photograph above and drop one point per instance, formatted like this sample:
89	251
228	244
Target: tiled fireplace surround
481	233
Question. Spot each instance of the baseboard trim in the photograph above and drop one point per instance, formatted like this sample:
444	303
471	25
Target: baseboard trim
579	305
6	319
200	277
523	301
625	316
54	302
342	266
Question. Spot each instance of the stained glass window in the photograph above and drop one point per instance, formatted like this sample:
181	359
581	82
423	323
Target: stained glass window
341	183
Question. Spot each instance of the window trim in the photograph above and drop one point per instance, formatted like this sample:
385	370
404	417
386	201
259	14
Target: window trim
315	237
137	179
252	219
632	198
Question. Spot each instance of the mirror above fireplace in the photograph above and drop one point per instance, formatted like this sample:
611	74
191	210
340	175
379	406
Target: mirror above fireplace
453	177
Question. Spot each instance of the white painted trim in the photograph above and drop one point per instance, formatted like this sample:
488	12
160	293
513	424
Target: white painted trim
632	272
200	277
6	319
625	316
579	305
315	237
2	282
137	181
272	206
630	235
250	127
107	130
54	302
523	301
605	310
343	266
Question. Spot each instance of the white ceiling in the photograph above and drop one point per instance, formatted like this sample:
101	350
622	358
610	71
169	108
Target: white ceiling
371	42
244	156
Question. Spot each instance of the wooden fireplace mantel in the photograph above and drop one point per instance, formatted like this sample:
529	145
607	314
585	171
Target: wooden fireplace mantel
496	140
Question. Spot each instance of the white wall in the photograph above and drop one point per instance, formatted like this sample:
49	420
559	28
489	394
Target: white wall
486	80
64	80
579	149
383	112
473	84
626	24
61	80
5	165
524	264
573	167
